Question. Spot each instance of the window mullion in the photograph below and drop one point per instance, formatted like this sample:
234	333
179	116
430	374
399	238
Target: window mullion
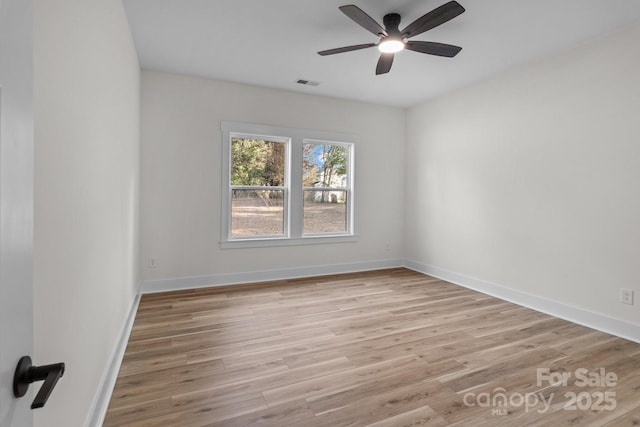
326	188
295	186
258	187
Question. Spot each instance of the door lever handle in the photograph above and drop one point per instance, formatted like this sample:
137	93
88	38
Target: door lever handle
26	374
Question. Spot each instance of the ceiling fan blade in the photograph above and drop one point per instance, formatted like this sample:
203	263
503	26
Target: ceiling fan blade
384	63
437	16
433	48
345	49
362	19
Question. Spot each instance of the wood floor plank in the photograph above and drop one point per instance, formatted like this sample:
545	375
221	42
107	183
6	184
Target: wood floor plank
386	348
422	416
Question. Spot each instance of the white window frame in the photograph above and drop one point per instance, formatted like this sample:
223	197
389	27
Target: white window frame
347	188
294	191
284	188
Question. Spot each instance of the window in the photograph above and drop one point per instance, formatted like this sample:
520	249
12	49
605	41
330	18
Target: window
258	186
326	187
285	186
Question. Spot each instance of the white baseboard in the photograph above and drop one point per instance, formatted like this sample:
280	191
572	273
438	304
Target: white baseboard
181	283
577	315
100	403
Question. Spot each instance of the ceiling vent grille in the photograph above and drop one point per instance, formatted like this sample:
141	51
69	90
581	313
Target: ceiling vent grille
307	82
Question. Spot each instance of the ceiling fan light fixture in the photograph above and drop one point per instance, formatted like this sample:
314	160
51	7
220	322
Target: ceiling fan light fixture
392	39
391	45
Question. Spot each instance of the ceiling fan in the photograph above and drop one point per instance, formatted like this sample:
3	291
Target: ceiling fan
392	40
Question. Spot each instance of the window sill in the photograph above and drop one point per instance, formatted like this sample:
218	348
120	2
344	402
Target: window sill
263	243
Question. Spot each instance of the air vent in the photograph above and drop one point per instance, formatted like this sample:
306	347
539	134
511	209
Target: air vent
307	82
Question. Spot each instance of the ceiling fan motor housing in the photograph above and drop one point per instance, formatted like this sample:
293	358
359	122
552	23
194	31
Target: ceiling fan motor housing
391	22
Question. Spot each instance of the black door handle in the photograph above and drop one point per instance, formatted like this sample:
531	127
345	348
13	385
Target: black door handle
26	374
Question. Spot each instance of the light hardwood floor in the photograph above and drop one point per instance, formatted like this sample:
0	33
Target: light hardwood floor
382	348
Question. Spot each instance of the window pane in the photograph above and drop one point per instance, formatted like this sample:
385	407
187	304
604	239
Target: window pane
257	162
324	165
257	213
325	211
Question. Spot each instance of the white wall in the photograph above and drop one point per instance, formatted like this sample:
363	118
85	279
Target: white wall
181	175
87	98
530	180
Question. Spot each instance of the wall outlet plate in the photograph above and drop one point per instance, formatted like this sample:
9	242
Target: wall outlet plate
626	296
151	263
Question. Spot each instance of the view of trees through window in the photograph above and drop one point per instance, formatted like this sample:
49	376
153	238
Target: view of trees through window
324	178
259	188
257	162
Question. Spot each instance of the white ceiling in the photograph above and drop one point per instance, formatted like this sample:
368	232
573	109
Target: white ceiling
274	43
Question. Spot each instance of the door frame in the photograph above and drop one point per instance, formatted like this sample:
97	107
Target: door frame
16	203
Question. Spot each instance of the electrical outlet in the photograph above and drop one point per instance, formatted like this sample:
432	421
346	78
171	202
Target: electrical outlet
626	296
151	263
